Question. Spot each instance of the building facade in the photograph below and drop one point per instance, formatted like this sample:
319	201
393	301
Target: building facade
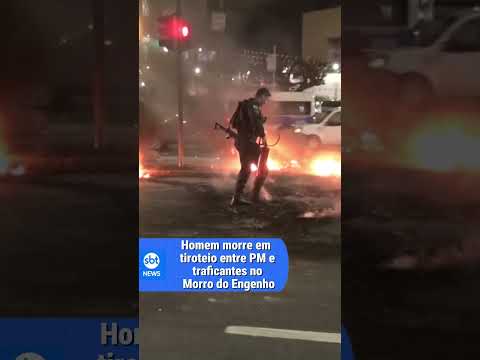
321	34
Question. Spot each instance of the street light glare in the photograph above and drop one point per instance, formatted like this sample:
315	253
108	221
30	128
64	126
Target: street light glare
197	70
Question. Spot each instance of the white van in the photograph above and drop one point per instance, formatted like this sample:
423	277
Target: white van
289	107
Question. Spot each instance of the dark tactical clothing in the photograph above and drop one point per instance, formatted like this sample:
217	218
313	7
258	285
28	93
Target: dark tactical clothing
248	121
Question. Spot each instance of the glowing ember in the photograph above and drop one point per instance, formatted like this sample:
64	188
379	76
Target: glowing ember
326	167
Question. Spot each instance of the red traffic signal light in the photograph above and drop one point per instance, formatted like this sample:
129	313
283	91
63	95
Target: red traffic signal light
184	31
173	29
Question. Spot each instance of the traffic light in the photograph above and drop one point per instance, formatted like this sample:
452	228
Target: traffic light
173	33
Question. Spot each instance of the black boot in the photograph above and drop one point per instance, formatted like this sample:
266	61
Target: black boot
238	200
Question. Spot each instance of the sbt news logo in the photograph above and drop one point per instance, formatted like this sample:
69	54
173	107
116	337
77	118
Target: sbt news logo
29	356
151	261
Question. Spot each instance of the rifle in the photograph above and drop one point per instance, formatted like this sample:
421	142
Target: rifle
264	150
231	134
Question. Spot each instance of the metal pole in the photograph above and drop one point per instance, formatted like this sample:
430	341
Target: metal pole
98	76
222	49
180	139
275	69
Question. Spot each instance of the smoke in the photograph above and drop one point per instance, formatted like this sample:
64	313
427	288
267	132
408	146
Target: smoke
216	93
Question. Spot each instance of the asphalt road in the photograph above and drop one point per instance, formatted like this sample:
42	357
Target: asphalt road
193	326
304	211
69	245
410	264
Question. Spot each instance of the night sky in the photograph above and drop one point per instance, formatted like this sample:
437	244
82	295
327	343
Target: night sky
50	39
259	24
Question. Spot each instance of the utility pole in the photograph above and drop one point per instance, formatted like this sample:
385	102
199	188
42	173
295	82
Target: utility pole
98	74
180	139
275	68
223	44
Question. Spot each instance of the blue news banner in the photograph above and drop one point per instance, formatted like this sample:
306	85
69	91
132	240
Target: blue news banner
212	265
69	338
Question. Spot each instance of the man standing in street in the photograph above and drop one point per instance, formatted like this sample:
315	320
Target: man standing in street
248	121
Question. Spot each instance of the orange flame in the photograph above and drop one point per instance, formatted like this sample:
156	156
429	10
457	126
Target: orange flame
274	165
326	167
142	172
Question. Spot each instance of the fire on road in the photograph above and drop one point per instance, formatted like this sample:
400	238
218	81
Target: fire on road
323	165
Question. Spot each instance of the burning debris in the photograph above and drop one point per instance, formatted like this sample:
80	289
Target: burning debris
142	172
274	165
321	166
326	167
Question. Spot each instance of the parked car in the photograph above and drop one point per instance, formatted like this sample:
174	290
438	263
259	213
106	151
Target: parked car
441	58
325	130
